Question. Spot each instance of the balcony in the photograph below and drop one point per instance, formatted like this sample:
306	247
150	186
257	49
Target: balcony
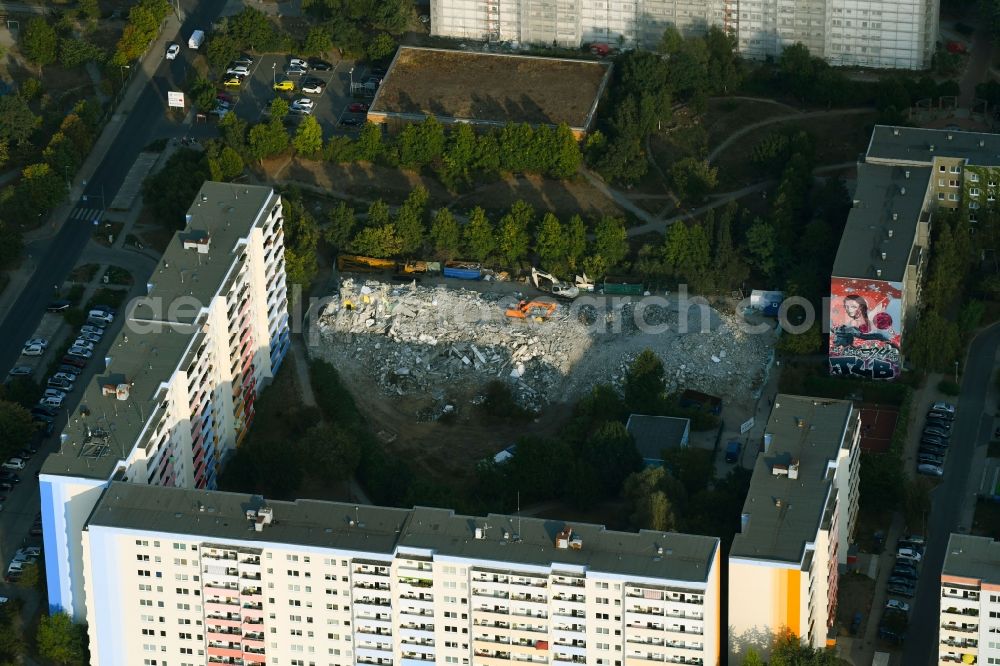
968	612
220	557
960	629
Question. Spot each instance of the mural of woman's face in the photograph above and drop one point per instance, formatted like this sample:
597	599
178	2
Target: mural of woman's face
852	308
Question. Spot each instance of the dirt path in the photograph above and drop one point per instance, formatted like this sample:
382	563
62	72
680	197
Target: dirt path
732	138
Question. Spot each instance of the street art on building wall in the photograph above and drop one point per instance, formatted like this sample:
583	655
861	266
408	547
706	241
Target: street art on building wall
865	328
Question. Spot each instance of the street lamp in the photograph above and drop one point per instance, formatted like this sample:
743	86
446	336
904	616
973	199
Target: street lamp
274	74
121	70
956	372
66	173
351	72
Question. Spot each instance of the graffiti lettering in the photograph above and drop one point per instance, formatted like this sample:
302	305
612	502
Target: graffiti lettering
868	368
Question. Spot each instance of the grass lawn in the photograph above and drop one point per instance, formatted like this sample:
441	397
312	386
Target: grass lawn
725	116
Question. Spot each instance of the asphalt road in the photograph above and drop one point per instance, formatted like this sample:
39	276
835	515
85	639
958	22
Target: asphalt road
971	429
144	123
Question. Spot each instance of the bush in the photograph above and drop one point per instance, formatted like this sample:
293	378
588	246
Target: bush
949	387
499	402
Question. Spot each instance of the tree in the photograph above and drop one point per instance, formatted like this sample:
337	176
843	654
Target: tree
752	658
203	94
917	504
308	139
41	188
935	344
644	384
342	221
410	221
381	241
479	241
576	241
445	234
789	650
29	577
567	156
317	41
459	156
421	144
227	165
40	42
267	139
651	508
278	109
369	143
89	9
4	152
512	231
221	49
611	455
807	342
693	178
378	214
671	41
252	29
17	122
16	428
75	52
551	244
61	641
333	453
169	191
611	240
381	46
301	241
761	245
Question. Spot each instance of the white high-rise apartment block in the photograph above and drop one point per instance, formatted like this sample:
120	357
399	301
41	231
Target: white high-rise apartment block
969	630
187	577
176	391
796	525
888	34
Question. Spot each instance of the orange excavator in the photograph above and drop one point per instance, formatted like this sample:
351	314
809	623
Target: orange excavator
537	310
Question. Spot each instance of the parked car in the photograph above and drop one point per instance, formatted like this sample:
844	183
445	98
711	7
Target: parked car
58	306
233	81
243	60
238	70
35	531
9	477
51	401
296	71
59	383
910	553
934	440
319	65
20	371
13	463
89	337
33	350
733	451
74	361
172	51
298	63
930	459
79	352
358	107
935	414
930	470
927	449
102	313
42	342
903	590
43	410
945	407
905	572
856	623
54	393
68	370
285	85
936	432
313	86
898	605
83	344
351	122
92	330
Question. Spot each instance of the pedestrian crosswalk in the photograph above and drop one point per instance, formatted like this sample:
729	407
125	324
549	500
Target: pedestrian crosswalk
85	213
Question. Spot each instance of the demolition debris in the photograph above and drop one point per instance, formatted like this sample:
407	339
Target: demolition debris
437	341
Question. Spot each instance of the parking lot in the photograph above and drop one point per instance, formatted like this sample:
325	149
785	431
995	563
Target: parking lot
331	106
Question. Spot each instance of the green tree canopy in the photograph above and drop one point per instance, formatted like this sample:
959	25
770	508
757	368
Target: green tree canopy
381	241
381	46
62	642
446	235
644	384
17	122
410	227
611	240
16	428
478	238
513	236
551	243
40	42
308	140
341	227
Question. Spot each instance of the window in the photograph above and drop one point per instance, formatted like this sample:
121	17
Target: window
952	197
940	196
941	168
974	191
955	169
973	177
973	205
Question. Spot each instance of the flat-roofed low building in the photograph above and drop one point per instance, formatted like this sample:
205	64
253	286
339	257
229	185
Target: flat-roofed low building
655	434
188	576
969	630
796	525
489	89
175	392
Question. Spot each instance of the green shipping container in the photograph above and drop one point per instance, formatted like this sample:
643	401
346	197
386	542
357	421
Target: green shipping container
622	288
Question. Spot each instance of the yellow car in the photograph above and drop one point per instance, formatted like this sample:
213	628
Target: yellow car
284	85
233	82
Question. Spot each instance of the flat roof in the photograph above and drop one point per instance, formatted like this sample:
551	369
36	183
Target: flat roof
490	88
882	192
652	434
103	430
912	145
784	513
382	530
976	557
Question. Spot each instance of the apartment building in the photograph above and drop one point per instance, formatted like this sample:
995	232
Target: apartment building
176	391
796	525
906	175
187	577
887	34
970	602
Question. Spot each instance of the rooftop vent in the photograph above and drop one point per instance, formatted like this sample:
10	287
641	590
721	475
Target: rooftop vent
982	142
744	521
931	147
201	242
883	256
895	131
890	233
902	190
480	534
906	174
119	391
950	136
260	517
565	540
204	197
895	216
767	439
793	470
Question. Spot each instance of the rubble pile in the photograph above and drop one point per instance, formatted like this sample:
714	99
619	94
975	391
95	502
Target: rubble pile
435	340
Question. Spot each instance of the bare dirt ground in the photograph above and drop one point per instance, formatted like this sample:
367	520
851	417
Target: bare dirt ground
361	180
442	449
854	595
566	197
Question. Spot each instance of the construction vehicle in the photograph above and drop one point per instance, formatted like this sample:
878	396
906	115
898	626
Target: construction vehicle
538	311
550	283
411	267
358	264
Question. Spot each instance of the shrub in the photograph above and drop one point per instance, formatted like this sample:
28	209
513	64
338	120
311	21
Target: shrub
949	387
